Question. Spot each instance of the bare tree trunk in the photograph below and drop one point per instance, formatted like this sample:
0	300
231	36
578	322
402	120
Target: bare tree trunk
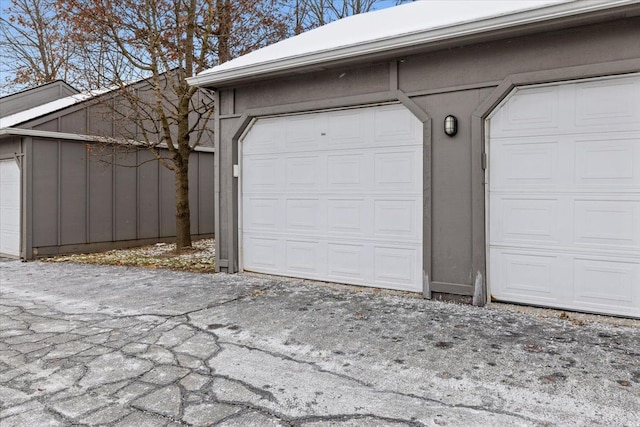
183	213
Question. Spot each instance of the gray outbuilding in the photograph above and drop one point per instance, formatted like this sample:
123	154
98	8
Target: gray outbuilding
63	189
488	149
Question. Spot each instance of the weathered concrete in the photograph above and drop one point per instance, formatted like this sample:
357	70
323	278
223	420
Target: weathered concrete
92	345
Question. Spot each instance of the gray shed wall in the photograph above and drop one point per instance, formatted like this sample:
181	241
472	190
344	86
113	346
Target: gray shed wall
466	82
10	147
84	199
97	117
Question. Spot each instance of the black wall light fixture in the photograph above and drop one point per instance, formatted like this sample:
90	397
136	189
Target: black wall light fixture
450	125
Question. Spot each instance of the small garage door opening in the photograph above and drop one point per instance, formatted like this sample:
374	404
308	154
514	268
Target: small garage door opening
9	208
564	196
335	196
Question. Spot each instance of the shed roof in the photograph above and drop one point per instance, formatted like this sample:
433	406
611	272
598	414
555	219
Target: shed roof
413	24
47	108
28	98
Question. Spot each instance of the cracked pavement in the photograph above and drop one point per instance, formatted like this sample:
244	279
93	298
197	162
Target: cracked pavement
115	346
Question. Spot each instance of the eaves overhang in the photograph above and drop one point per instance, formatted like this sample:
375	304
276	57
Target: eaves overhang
544	18
35	133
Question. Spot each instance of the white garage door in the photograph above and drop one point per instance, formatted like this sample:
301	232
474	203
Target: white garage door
9	208
564	197
335	196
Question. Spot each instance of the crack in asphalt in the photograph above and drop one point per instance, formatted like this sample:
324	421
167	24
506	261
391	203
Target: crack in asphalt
55	358
377	390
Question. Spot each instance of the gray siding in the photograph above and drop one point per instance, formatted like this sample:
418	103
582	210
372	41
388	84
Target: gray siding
72	178
101	184
317	86
204	195
125	209
98	117
9	147
85	199
45	212
459	81
148	199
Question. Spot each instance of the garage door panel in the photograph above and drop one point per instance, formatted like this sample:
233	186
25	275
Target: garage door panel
528	275
395	126
347	171
262	174
398	171
303	257
263	254
266	136
262	213
525	219
564	208
601	161
347	216
525	163
395	267
304	173
615	223
349	129
303	133
9	207
10	189
349	210
346	262
304	215
396	218
606	283
534	110
603	104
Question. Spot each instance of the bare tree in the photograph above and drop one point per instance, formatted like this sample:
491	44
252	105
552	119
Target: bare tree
157	44
34	44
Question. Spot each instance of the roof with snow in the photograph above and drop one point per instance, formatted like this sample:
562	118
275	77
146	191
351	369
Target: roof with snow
413	24
48	108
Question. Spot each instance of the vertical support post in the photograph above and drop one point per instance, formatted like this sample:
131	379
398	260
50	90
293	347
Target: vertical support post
426	209
216	177
26	203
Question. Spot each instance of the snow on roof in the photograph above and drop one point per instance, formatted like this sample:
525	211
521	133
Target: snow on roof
401	26
49	107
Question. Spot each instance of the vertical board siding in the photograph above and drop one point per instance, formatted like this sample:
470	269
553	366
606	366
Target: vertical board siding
167	205
125	196
227	199
73	195
70	122
100	197
51	125
148	198
206	217
193	192
451	181
84	194
45	192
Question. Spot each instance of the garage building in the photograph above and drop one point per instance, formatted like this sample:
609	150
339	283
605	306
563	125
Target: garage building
63	190
484	149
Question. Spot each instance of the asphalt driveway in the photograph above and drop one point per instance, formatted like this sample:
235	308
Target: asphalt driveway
95	345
